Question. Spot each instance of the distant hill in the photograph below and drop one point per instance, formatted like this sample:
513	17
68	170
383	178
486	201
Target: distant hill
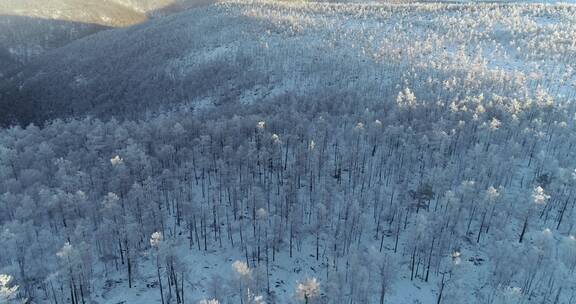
32	27
113	13
23	39
122	70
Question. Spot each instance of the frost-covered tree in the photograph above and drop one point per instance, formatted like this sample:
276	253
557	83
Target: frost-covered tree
8	291
307	290
539	198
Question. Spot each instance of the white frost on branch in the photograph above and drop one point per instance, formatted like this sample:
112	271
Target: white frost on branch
308	289
116	160
275	138
539	196
7	293
212	301
156	239
456	257
492	193
241	268
406	99
262	213
312	145
66	251
495	124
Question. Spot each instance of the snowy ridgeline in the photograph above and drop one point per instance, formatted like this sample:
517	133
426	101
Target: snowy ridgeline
334	154
251	52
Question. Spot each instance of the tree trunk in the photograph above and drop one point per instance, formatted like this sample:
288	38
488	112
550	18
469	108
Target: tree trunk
441	290
523	229
159	278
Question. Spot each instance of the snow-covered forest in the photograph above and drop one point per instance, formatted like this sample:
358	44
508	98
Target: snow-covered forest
30	28
283	152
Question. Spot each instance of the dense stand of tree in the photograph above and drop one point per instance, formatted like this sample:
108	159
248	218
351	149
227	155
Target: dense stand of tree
91	195
415	168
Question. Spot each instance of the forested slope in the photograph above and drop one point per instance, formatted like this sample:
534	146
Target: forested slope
230	53
29	28
254	152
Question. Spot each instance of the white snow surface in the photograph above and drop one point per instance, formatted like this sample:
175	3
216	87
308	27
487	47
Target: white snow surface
527	51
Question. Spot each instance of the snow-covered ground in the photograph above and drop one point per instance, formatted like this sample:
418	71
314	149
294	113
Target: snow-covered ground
404	152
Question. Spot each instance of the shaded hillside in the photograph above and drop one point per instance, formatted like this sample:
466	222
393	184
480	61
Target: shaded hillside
24	38
107	13
113	71
32	27
7	61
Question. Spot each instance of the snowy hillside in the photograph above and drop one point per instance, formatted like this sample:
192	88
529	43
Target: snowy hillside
297	152
28	28
274	48
106	13
103	12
